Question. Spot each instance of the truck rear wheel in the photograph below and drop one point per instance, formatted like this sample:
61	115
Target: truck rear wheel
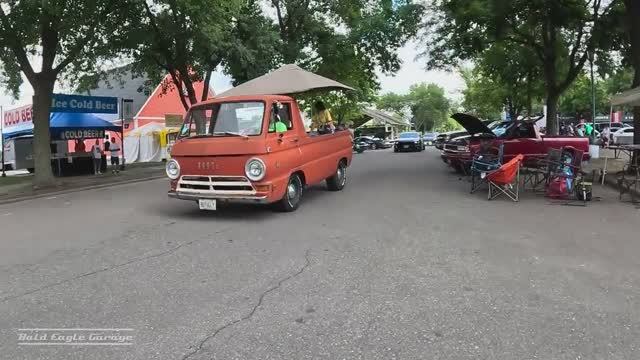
339	179
292	195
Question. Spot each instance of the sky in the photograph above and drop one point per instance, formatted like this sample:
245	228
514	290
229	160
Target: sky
411	72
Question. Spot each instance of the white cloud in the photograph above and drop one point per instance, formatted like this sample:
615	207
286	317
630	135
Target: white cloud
413	72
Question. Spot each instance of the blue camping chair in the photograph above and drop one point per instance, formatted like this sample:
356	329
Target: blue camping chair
485	161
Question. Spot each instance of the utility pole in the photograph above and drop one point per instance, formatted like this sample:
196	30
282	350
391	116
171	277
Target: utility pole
593	100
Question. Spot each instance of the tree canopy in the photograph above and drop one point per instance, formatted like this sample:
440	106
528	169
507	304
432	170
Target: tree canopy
427	104
561	35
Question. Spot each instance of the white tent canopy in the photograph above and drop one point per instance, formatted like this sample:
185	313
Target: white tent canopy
627	98
143	144
289	79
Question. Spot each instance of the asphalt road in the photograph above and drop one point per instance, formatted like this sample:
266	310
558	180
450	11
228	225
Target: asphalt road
403	264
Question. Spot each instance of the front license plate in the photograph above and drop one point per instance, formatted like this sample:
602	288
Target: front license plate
405	146
207	204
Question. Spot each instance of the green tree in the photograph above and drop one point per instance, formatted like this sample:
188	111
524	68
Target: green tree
561	35
186	39
65	38
482	96
577	100
429	106
392	102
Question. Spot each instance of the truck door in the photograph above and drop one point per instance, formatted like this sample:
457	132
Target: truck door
522	140
287	144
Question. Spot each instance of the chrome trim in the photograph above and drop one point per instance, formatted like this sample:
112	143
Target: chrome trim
233	198
215	186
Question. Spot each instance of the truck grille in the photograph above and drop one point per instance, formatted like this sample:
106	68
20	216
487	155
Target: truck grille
215	185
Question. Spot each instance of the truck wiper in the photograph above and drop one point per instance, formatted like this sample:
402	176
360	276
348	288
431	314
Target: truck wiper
230	133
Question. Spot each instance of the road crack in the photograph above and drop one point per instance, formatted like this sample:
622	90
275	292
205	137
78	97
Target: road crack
98	271
253	310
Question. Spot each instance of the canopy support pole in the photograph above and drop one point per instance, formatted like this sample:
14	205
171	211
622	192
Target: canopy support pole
122	167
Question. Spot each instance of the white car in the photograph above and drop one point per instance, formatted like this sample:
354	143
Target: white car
623	136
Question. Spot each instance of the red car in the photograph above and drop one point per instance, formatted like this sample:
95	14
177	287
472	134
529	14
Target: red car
518	137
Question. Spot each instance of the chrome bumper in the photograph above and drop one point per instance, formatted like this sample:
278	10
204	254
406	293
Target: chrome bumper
230	198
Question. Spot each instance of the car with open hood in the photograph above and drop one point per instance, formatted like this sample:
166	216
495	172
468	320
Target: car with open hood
516	137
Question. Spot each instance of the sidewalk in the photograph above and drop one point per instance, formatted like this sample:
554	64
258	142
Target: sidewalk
613	167
20	187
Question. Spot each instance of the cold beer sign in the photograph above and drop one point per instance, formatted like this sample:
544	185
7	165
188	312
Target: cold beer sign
84	104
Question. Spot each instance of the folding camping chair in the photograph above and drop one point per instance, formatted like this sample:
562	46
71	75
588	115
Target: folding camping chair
506	180
538	172
566	179
485	161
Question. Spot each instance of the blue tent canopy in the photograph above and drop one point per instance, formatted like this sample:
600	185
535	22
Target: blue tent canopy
61	122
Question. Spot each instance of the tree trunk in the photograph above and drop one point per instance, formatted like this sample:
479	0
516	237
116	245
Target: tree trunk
43	93
552	113
205	88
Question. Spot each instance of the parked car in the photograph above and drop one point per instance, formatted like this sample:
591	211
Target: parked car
623	136
389	142
253	149
409	141
517	137
442	138
429	138
613	126
373	142
360	145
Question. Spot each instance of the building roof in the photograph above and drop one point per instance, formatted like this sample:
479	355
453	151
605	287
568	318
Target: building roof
381	118
628	98
161	103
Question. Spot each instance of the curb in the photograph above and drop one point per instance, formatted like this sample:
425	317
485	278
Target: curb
79	189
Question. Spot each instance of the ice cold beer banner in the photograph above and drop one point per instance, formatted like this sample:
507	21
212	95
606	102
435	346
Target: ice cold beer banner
21	119
84	104
81	134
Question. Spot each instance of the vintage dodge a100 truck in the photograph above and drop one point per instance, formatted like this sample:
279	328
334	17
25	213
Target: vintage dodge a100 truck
255	149
517	137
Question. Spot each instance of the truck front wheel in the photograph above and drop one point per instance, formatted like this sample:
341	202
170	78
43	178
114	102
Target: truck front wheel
339	179
292	195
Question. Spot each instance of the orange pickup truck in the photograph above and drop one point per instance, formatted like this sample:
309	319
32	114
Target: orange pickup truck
253	149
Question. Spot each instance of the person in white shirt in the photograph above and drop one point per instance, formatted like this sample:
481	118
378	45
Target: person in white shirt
115	157
96	154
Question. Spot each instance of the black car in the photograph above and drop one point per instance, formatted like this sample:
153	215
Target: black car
409	141
373	142
444	137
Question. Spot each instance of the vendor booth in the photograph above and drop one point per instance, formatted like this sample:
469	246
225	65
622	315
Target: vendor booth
149	143
74	128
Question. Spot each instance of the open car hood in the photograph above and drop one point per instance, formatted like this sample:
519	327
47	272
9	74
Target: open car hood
472	124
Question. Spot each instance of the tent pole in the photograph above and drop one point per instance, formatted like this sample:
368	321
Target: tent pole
4	174
122	132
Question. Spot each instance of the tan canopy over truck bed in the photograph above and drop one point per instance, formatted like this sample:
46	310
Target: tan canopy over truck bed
287	80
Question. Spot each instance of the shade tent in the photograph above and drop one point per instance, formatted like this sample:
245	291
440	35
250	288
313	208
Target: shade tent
289	79
144	144
627	98
61	122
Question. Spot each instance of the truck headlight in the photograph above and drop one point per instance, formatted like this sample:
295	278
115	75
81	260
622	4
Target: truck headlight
255	169
173	169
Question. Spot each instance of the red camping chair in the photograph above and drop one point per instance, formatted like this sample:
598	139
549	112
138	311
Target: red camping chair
506	180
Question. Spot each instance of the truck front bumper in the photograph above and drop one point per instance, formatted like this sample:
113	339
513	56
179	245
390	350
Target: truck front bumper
245	199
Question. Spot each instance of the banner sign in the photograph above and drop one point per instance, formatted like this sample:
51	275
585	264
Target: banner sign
81	134
84	104
18	119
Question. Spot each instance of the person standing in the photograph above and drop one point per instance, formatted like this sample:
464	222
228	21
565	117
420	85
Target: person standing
96	154
114	148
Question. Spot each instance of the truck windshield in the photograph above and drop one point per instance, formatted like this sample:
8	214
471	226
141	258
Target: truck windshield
500	129
226	119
